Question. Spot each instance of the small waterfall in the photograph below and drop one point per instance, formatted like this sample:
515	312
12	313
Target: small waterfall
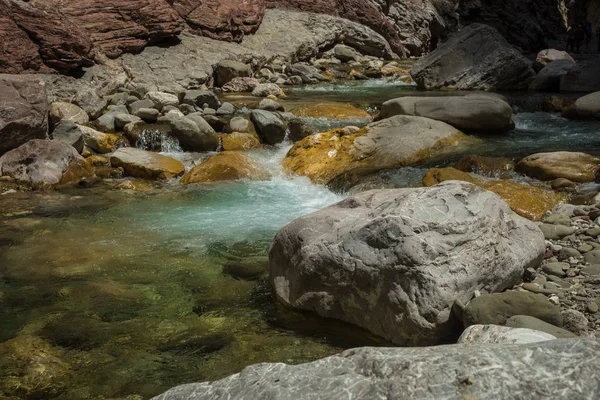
154	140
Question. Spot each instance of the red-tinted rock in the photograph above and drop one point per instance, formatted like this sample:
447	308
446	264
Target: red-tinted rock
61	44
123	26
17	52
362	11
222	19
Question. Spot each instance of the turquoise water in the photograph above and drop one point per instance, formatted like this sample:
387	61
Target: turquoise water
112	294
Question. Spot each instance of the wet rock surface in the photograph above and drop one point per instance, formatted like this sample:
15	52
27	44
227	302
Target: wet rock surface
381	372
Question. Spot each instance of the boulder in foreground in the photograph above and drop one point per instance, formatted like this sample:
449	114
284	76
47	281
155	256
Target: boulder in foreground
443	372
475	113
476	58
394	261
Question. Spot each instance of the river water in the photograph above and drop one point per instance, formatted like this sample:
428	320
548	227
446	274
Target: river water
138	292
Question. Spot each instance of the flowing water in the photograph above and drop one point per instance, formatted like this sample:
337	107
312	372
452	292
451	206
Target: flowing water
118	294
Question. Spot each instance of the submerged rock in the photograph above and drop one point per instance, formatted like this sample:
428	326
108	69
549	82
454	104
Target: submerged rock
227	70
225	166
476	58
394	261
453	372
576	167
391	143
42	163
146	164
24	111
477	112
31	368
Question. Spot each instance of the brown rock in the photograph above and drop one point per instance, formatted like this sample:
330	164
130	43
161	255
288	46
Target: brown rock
24	111
238	141
118	26
390	143
528	201
226	166
576	167
497	167
227	20
237	85
146	164
555	104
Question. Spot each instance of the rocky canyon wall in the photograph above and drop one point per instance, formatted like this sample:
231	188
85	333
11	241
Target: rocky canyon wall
64	35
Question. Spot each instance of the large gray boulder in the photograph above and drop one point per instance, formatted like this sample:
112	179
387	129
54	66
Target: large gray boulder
191	136
586	107
477	112
497	308
43	163
394	261
476	58
23	111
474	371
270	128
548	79
583	78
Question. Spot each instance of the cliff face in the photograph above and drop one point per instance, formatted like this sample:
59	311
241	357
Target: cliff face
63	35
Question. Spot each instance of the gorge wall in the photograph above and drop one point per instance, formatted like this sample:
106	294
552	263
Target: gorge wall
64	35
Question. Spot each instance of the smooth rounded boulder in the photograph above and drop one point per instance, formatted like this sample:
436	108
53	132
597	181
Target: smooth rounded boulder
146	164
24	111
191	135
472	113
44	163
475	58
548	56
576	167
394	261
586	107
390	143
502	334
269	126
63	111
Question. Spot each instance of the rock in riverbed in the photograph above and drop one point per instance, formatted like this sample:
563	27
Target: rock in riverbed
477	112
476	58
383	261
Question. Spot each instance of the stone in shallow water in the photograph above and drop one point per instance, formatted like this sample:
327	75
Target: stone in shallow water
145	164
443	372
